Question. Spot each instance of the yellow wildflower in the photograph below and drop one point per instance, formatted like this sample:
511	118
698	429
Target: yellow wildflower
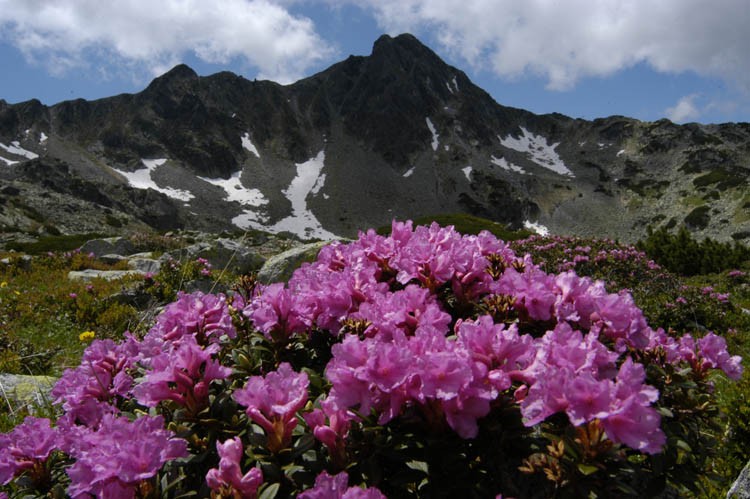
86	336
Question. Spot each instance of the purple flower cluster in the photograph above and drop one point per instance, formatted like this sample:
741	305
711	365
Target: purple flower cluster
708	352
204	316
26	448
337	487
95	387
114	456
408	356
426	324
273	401
182	375
113	459
227	480
331	427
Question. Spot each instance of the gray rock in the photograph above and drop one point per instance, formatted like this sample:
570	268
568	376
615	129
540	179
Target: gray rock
22	262
108	275
110	245
111	259
146	265
19	390
145	254
741	487
205	286
280	267
221	254
186	253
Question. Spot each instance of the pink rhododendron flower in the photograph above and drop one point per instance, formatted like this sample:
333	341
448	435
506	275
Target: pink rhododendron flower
404	311
94	387
278	313
26	448
182	375
272	402
331	426
228	479
204	316
713	351
336	487
113	459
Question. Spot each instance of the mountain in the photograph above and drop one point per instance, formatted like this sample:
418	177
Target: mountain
396	134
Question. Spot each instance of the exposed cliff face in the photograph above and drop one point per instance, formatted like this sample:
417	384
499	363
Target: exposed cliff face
398	133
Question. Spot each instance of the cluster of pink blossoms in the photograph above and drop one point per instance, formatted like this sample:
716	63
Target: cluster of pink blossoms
112	454
409	356
416	333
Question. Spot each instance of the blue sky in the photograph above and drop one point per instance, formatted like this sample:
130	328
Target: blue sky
686	60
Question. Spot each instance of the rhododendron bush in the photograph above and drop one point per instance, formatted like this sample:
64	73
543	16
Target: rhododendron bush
425	363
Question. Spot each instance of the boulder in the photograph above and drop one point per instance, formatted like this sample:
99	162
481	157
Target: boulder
740	489
22	262
146	265
186	253
19	389
111	259
108	275
110	245
280	267
222	254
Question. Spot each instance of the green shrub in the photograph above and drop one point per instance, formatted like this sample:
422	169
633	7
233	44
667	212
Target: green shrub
682	254
467	224
53	243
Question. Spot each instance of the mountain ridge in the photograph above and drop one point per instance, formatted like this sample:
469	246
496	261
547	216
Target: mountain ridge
396	134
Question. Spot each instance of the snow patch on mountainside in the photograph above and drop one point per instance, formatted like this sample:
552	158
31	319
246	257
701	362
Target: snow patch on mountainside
434	133
250	219
538	149
409	172
238	192
536	228
302	221
319	183
141	179
247	144
505	165
467	172
15	148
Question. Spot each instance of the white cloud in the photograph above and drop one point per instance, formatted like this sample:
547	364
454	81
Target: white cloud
566	41
153	36
685	110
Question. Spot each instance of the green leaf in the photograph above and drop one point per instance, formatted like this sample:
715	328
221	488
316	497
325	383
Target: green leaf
419	466
684	446
270	491
664	411
303	444
587	469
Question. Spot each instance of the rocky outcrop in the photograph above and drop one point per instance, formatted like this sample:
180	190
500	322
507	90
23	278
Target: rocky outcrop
109	246
740	489
279	268
222	254
19	390
108	275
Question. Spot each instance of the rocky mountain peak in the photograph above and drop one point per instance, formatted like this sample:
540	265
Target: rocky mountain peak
177	75
396	134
